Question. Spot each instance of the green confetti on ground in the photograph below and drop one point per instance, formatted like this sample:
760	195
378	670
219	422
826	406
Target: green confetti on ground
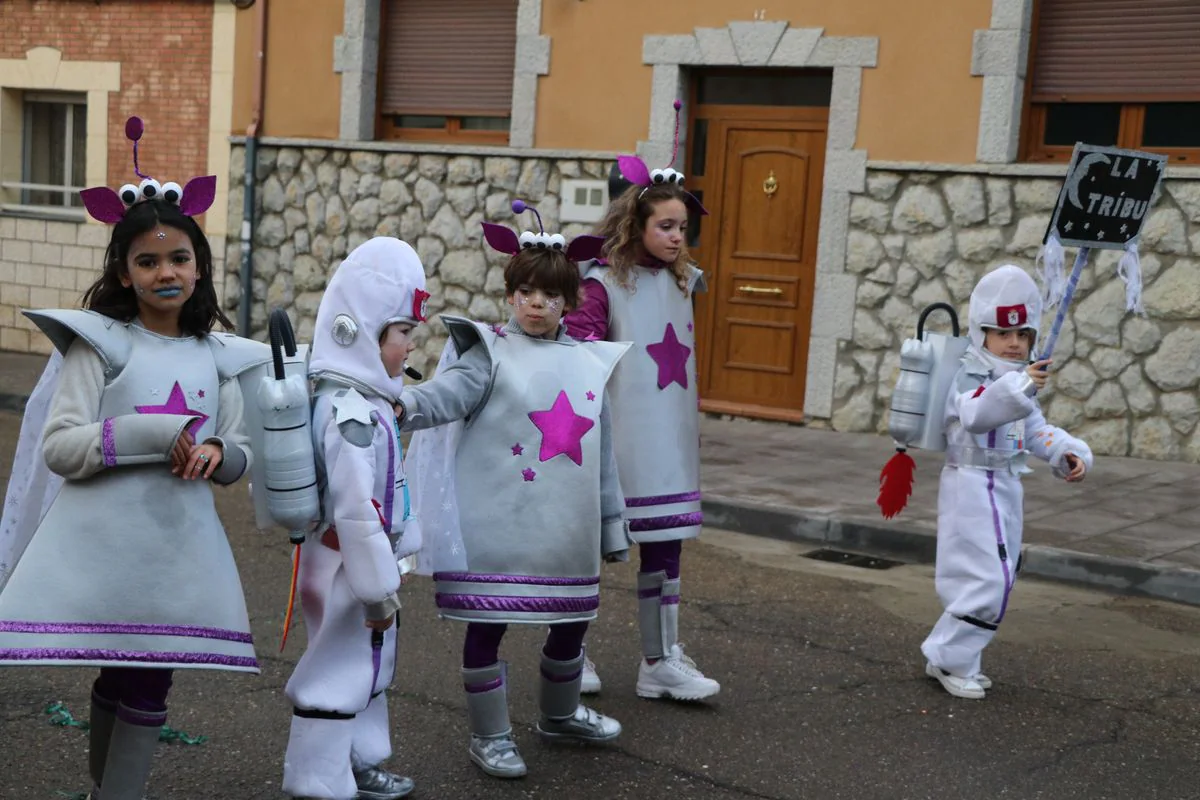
61	715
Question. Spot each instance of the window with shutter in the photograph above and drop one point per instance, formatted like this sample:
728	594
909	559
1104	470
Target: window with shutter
1114	72
446	69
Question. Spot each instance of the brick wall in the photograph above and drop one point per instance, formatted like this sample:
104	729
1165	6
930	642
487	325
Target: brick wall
165	51
47	264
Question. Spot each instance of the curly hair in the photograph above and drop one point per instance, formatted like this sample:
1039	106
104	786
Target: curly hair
624	226
108	297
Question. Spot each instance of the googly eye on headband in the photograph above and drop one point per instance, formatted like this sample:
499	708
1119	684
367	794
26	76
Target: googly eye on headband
634	170
505	240
105	205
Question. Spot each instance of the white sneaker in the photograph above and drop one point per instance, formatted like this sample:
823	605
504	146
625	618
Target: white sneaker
966	688
675	676
983	680
591	681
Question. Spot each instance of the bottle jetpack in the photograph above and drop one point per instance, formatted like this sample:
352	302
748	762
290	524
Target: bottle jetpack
928	365
278	413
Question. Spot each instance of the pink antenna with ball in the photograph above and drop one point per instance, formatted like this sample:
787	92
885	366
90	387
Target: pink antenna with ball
134	128
675	151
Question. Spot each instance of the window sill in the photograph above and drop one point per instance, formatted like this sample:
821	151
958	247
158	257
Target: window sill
48	214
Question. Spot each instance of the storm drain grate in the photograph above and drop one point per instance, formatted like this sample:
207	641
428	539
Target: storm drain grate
852	559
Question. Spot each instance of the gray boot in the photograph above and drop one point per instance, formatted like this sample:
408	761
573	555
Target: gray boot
563	717
650	591
100	729
492	746
130	754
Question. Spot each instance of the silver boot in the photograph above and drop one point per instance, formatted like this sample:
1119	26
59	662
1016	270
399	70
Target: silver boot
100	729
562	715
492	746
379	784
130	754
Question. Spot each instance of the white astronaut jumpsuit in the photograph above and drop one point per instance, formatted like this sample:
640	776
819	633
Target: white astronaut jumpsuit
993	422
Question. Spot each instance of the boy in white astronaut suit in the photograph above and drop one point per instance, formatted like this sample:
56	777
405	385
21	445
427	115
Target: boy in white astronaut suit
993	422
349	576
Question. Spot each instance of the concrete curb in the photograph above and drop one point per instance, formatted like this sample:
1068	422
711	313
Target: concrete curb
1123	576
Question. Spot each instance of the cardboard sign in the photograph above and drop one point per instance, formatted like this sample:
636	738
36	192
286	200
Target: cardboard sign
1106	196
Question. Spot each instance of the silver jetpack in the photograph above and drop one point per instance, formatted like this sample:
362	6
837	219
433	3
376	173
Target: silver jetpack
928	365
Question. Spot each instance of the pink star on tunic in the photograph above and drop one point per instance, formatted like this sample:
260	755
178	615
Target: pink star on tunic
201	393
528	475
176	404
591	395
517	449
671	356
690	326
562	430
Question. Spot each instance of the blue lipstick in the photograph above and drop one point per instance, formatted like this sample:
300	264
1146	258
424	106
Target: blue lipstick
173	291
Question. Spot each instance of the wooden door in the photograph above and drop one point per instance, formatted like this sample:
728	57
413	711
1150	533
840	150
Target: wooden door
760	254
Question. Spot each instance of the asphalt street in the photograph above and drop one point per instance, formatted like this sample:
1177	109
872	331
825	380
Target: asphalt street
824	695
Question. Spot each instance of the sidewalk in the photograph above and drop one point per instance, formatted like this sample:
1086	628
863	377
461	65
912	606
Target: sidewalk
1133	526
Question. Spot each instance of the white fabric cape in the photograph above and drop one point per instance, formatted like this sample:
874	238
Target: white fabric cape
32	487
430	469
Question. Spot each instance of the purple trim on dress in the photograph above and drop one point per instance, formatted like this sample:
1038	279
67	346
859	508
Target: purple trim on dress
389	492
144	719
108	443
479	688
528	605
532	580
670	600
1002	547
132	628
664	523
132	656
646	594
556	678
662	499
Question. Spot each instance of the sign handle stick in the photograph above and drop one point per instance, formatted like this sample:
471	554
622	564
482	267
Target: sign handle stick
1068	295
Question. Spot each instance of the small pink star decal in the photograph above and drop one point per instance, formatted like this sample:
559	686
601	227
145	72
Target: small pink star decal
201	393
562	430
691	326
671	356
528	475
591	395
176	404
517	449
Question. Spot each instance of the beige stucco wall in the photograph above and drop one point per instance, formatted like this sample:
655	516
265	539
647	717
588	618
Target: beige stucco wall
920	104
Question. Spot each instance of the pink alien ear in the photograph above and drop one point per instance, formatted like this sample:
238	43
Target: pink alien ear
198	195
634	170
103	204
584	248
501	238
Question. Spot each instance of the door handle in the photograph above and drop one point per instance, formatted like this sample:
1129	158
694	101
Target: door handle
760	290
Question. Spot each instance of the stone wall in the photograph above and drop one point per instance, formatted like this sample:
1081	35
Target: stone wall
1125	383
317	204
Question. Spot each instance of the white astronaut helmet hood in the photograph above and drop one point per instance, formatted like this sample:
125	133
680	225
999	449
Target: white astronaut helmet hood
381	282
1005	299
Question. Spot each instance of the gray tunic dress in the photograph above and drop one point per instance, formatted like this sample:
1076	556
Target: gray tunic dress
656	419
130	566
538	496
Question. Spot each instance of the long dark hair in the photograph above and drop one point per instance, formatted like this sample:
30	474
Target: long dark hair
108	297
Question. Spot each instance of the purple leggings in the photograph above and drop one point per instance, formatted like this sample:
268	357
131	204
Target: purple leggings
661	557
482	645
135	694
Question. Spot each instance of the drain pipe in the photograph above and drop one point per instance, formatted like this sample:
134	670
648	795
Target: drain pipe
251	169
